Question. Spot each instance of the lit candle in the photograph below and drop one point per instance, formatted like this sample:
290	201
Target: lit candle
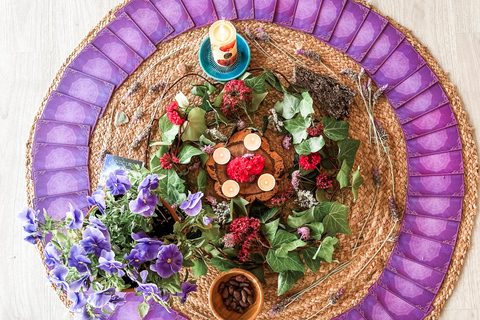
266	182
221	155
252	142
223	41
230	188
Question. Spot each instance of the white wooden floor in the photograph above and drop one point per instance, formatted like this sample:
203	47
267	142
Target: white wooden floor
37	35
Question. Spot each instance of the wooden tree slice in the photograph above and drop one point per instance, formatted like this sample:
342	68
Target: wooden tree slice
248	190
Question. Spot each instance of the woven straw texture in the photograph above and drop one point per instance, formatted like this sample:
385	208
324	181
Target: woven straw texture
379	223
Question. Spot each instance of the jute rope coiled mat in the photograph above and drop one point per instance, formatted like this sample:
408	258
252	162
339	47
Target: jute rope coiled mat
380	223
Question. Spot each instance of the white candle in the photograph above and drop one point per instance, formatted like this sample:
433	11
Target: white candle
252	142
230	188
223	41
266	182
221	155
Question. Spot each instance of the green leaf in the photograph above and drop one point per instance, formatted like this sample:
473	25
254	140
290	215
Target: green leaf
291	262
347	150
240	204
171	187
244	76
300	219
343	175
200	268
200	91
298	128
278	107
308	254
257	98
316	230
273	80
202	181
287	279
310	146
182	100
325	251
357	181
195	126
168	129
322	210
223	264
218	100
335	129
320	195
336	221
271	228
211	89
188	151
269	214
289	246
259	273
143	309
257	84
158	143
205	141
306	105
290	105
282	237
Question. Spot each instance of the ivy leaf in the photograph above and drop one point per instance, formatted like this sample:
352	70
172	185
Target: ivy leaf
287	279
325	251
273	80
202	181
262	212
182	101
168	129
316	230
282	237
343	175
271	228
195	126
320	195
143	309
308	254
223	264
311	145
347	150
291	262
298	128
188	151
205	141
306	105
336	221
257	98
210	88
171	187
300	219
218	100
289	246
270	213
290	105
357	181
334	129
200	268
322	210
257	84
240	204
278	107
244	76
259	273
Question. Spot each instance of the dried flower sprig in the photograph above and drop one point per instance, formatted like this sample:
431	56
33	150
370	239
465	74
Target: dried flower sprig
252	37
305	199
216	135
332	301
274	121
391	239
106	138
316	57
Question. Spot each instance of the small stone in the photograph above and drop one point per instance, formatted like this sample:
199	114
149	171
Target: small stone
182	68
120	118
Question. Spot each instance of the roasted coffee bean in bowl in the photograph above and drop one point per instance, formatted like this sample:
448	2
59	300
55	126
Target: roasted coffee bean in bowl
236	295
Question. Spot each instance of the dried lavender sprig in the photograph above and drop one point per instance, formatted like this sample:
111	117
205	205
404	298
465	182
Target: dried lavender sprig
252	37
332	301
143	135
315	56
158	61
133	89
378	183
103	151
392	208
265	38
378	93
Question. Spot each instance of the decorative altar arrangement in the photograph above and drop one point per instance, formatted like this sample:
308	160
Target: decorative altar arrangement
247	186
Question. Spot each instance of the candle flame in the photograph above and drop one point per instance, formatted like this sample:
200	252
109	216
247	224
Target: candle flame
222	33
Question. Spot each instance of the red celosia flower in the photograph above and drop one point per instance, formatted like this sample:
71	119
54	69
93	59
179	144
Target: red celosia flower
235	95
316	131
282	197
240	169
310	162
168	160
172	114
247	233
324	181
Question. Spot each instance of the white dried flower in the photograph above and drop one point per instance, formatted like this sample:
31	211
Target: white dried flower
305	199
216	135
274	121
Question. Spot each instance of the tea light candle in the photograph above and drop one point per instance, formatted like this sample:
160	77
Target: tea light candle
266	182
252	142
230	188
221	155
223	41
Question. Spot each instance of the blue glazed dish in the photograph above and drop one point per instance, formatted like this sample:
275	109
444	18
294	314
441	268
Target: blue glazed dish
225	73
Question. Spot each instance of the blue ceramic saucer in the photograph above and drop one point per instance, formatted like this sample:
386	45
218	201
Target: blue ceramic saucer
225	73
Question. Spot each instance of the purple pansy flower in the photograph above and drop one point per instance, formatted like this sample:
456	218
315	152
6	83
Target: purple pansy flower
78	259
80	283
169	261
108	264
97	223
193	205
58	275
116	301
101	298
207	220
74	218
94	241
151	289
78	301
186	287
98	199
136	257
52	257
149	183
147	246
144	204
34	236
118	182
28	216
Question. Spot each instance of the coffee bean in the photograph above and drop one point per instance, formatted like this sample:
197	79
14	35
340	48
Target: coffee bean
233	283
248	291
243	304
230	290
221	287
230	308
237	295
240	278
233	305
244	296
250	300
228	301
243	285
225	293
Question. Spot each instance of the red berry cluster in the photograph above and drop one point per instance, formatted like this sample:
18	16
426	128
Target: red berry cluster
247	233
168	160
310	162
235	93
324	181
172	114
316	131
240	169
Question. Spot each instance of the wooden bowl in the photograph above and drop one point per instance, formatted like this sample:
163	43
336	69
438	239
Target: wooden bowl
216	302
